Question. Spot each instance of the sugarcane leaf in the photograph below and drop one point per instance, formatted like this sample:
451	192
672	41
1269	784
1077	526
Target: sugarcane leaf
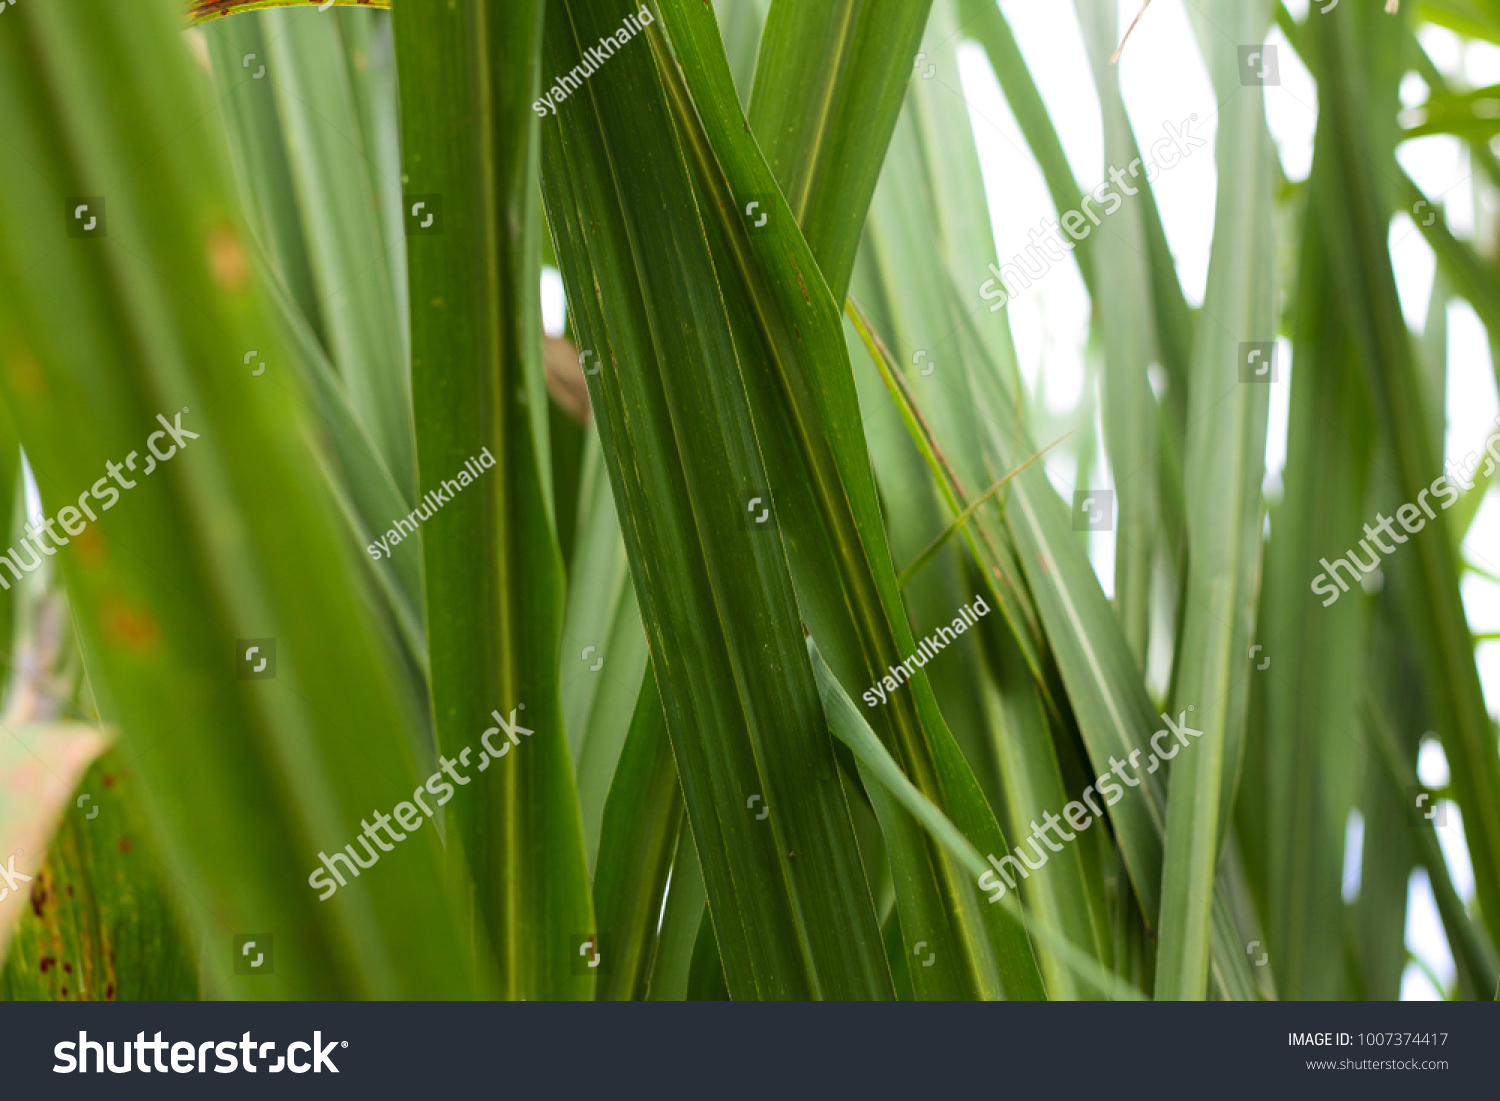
1106	691
1478	18
829	81
493	569
1308	718
642	820
681	917
984	22
339	179
850	727
200	11
1469	115
41	765
1123	300
807	415
1472	950
368	496
706	981
604	646
258	150
891	785
1224	465
231	539
963	518
1067	900
100	922
1357	225
741	23
929	193
739	698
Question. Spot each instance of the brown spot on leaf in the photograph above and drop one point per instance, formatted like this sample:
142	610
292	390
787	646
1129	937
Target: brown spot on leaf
226	259
124	845
109	992
90	547
25	374
128	627
109	780
800	283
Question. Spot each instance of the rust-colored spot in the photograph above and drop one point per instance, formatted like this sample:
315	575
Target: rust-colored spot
65	992
226	259
47	961
90	546
38	898
109	992
109	780
70	890
124	845
800	284
25	373
128	627
68	967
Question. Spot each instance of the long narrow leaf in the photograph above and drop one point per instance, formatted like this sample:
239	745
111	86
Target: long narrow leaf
741	706
1225	458
846	582
1357	221
227	544
493	569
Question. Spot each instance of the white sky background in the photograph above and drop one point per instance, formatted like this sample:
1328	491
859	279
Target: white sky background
1163	79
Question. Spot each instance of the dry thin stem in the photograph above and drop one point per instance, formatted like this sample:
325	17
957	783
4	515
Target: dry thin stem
1121	49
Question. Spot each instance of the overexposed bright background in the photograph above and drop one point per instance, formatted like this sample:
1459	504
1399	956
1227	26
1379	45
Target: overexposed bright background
1163	79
